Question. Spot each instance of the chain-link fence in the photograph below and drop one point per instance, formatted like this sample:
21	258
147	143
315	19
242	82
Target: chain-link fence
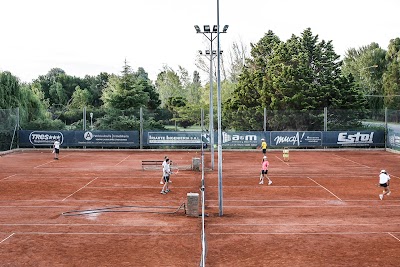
256	119
8	128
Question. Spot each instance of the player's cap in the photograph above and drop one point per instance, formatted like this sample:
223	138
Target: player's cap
383	171
262	139
265	157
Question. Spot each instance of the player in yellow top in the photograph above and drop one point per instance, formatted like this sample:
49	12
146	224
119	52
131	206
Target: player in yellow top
263	146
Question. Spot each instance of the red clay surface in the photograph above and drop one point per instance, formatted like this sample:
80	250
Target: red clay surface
322	209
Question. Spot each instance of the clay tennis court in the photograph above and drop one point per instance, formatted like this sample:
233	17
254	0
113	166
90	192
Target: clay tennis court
322	209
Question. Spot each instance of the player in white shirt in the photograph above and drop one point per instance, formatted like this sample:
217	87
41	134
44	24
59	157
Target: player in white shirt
56	149
166	174
384	181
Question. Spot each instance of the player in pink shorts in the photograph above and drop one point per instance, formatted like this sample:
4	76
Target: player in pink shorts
264	171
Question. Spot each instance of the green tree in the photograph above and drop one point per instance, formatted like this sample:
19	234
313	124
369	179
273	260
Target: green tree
9	90
391	78
367	65
300	74
168	85
123	97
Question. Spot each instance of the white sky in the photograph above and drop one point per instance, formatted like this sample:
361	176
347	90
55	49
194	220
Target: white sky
92	36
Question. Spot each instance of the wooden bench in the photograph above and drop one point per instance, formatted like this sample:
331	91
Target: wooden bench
151	163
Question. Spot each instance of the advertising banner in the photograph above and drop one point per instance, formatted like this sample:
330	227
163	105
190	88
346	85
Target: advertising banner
354	139
40	138
80	138
107	138
175	138
295	139
130	139
241	139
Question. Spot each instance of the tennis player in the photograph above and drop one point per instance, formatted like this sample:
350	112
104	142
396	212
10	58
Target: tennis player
263	146
56	149
166	174
163	165
384	181
264	171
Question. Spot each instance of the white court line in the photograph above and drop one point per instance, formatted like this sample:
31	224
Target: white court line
136	187
122	160
94	233
90	224
394	236
274	186
282	160
299	233
6	238
8	177
303	206
352	161
80	189
298	224
325	188
38	166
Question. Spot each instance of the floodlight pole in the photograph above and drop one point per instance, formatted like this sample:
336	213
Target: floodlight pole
208	33
220	191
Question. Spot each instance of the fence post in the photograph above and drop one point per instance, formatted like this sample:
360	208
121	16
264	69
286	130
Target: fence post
325	119
141	129
84	118
265	119
18	127
386	126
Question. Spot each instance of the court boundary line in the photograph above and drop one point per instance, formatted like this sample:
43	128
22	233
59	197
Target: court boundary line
306	206
299	233
298	224
282	160
15	174
80	188
7	238
106	233
398	239
351	161
38	166
325	188
122	160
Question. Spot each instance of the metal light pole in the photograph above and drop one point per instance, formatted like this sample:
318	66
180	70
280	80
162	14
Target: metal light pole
220	195
210	35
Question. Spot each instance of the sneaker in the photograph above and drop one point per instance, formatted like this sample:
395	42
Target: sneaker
389	193
261	182
163	192
270	182
167	190
161	182
381	196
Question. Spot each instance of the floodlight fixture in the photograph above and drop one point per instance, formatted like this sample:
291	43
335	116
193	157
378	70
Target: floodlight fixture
206	28
200	52
225	28
197	28
215	28
207	52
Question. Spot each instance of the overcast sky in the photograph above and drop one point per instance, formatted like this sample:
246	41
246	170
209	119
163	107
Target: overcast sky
86	37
